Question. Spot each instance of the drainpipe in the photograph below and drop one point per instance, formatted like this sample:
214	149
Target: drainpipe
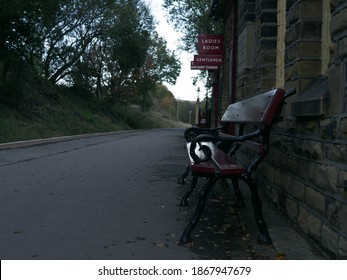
234	52
216	98
232	60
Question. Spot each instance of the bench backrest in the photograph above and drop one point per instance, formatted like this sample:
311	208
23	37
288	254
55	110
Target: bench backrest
260	109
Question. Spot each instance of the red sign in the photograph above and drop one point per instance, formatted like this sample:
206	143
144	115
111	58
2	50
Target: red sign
212	60
211	44
193	66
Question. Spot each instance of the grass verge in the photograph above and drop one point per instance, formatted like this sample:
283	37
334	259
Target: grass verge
71	114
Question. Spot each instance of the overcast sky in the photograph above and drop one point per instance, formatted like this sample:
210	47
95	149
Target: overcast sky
184	89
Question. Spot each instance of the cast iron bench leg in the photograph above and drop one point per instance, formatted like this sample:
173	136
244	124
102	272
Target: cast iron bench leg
185	238
184	175
188	192
264	237
238	194
240	201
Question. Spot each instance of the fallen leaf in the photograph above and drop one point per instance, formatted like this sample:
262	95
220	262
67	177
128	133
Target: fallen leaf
281	256
162	245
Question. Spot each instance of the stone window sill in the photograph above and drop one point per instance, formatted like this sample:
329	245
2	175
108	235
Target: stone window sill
314	101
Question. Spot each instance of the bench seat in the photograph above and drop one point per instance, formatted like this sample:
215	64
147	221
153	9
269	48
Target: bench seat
219	162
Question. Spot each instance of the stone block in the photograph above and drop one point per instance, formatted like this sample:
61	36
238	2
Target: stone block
342	217
323	176
268	30
333	4
293	166
298	190
337	152
266	57
343	128
342	48
303	30
333	207
278	158
282	142
268	4
342	183
342	253
336	84
286	183
310	224
304	169
290	3
299	83
268	71
304	68
332	53
315	199
276	176
300	11
338	23
330	239
268	16
308	127
292	210
328	128
266	44
337	214
304	49
309	148
267	171
274	196
287	126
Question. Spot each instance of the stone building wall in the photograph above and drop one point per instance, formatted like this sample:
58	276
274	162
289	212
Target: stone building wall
265	45
306	171
245	54
303	43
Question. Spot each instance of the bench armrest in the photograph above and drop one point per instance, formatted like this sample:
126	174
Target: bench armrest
217	139
192	132
289	93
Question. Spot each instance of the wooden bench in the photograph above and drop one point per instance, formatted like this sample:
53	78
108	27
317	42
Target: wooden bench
214	154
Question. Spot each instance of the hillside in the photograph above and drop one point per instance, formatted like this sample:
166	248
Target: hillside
68	112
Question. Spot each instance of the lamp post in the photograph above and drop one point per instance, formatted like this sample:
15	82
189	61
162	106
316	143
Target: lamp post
197	113
178	109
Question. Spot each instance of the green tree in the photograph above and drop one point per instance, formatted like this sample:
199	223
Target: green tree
110	61
104	46
78	24
130	39
191	17
52	35
161	65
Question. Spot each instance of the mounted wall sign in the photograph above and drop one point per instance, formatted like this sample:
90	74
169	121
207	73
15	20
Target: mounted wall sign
211	44
194	66
205	59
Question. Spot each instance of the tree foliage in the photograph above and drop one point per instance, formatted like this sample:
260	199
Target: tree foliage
191	17
104	46
160	66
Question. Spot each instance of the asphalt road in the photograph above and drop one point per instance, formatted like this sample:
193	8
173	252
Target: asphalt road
115	196
104	197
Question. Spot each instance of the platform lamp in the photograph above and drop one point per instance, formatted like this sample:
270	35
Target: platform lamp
197	113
